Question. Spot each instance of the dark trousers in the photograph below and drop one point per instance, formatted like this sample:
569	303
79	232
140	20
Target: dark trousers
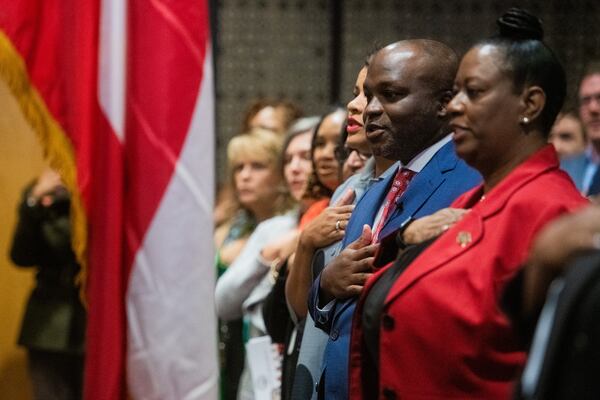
55	376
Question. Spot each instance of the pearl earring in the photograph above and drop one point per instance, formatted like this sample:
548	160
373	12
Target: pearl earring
524	120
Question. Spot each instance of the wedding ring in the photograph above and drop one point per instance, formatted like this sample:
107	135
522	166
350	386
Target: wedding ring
337	225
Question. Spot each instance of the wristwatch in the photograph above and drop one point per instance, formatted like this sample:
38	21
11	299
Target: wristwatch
400	233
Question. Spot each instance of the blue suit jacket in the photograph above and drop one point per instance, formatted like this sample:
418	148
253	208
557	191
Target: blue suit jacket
576	167
442	180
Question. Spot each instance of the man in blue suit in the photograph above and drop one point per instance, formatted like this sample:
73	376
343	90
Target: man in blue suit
583	169
408	86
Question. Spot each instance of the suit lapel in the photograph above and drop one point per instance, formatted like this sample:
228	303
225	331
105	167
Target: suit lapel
417	193
577	279
366	209
455	242
421	187
469	231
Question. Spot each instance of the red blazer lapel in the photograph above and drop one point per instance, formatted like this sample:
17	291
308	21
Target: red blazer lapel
458	240
469	231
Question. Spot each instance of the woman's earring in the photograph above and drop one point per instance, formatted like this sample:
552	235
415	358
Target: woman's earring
524	121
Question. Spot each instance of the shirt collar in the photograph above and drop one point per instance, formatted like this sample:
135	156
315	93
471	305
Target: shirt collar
367	173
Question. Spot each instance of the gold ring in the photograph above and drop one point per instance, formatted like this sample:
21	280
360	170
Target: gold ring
337	225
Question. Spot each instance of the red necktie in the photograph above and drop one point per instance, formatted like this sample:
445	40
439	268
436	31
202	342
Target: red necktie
401	181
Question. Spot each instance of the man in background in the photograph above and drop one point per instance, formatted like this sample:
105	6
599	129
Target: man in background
583	169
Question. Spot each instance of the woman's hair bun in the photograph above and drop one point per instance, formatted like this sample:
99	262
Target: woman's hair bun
518	24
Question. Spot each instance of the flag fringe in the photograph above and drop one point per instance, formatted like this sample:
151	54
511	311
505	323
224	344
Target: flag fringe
57	147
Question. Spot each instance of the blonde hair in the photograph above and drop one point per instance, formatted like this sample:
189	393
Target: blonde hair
260	144
266	146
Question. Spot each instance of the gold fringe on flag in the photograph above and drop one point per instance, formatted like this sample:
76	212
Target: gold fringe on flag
58	150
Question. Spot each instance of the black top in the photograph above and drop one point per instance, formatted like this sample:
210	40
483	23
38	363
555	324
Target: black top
569	369
54	318
283	330
373	315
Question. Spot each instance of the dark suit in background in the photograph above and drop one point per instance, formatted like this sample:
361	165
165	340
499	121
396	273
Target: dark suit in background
53	326
570	365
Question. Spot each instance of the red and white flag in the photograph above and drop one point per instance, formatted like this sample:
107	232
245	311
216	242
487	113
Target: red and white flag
120	93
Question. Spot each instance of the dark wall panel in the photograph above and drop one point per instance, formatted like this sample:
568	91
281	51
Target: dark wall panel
283	48
269	48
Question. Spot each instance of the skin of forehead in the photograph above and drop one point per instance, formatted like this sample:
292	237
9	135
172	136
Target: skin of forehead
590	85
397	59
405	62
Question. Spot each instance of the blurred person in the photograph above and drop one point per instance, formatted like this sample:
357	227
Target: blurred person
225	204
270	114
252	159
354	162
296	162
53	327
567	135
353	140
408	85
429	325
325	176
281	326
312	256
243	288
583	169
563	270
351	160
589	102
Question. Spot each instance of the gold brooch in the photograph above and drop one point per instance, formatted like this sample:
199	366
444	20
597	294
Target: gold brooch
463	238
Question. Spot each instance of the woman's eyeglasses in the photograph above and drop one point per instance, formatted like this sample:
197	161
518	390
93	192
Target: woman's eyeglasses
342	153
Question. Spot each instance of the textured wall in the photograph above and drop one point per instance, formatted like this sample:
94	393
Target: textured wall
284	47
269	48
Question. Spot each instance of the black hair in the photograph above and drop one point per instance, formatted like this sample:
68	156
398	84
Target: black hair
375	47
341	152
530	61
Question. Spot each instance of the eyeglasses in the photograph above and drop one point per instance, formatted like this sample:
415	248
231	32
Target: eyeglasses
342	153
362	156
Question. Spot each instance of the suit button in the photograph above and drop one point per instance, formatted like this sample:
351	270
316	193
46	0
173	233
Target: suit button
387	322
389	394
334	334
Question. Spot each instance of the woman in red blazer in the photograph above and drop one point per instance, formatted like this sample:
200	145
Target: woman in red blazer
432	328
